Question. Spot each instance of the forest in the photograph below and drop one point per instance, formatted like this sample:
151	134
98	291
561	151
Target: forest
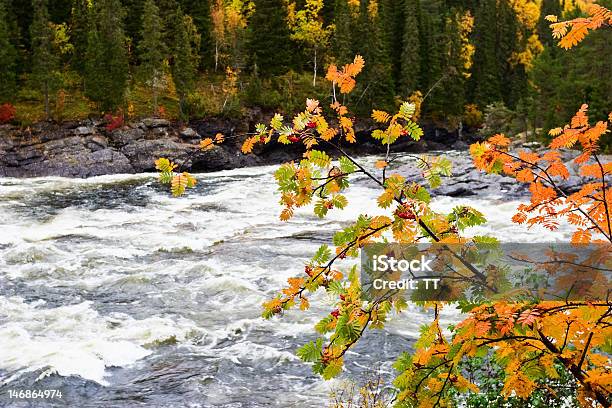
464	62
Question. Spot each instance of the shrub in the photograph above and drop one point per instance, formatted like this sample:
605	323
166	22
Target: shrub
113	122
7	113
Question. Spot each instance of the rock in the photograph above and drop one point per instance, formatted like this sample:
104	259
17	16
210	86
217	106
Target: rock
120	138
83	131
143	153
460	145
155	122
189	133
96	143
532	145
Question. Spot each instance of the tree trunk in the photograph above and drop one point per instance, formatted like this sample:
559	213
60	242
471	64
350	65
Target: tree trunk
216	55
314	76
47	100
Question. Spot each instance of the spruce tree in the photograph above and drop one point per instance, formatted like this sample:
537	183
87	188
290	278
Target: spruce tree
342	41
44	57
377	81
485	81
269	45
411	48
200	10
549	7
8	57
184	57
79	27
152	50
134	10
392	17
106	70
447	98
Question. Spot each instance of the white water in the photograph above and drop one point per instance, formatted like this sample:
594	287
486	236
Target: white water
103	278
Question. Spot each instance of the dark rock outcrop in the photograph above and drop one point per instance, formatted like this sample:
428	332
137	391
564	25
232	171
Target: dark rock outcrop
88	149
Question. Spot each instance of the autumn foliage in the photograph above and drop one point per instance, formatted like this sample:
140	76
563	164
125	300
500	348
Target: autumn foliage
535	342
588	209
7	113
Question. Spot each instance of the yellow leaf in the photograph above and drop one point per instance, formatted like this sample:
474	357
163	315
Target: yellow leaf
207	144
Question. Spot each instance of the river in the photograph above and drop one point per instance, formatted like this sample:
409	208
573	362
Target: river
119	295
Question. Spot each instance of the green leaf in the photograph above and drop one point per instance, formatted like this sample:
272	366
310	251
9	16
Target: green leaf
322	255
339	201
319	158
320	208
310	352
165	177
346	166
277	121
407	109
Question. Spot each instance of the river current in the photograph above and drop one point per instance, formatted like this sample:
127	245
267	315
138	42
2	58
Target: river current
119	295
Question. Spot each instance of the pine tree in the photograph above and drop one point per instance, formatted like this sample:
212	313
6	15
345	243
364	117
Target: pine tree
447	98
378	78
269	45
200	12
392	16
8	57
106	70
342	40
134	10
549	7
152	50
485	80
44	57
79	27
185	57
411	47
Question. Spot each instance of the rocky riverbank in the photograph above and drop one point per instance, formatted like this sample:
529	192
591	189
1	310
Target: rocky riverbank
88	148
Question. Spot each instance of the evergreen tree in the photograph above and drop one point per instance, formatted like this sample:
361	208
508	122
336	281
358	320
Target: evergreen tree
549	7
342	41
184	57
269	44
106	70
151	49
392	17
447	98
44	57
512	75
8	57
411	48
134	10
485	81
59	10
79	27
377	77
200	12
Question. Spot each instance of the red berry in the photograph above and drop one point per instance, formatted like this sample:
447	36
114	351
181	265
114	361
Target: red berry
293	138
407	215
311	125
329	206
262	139
335	313
404	132
308	270
342	297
